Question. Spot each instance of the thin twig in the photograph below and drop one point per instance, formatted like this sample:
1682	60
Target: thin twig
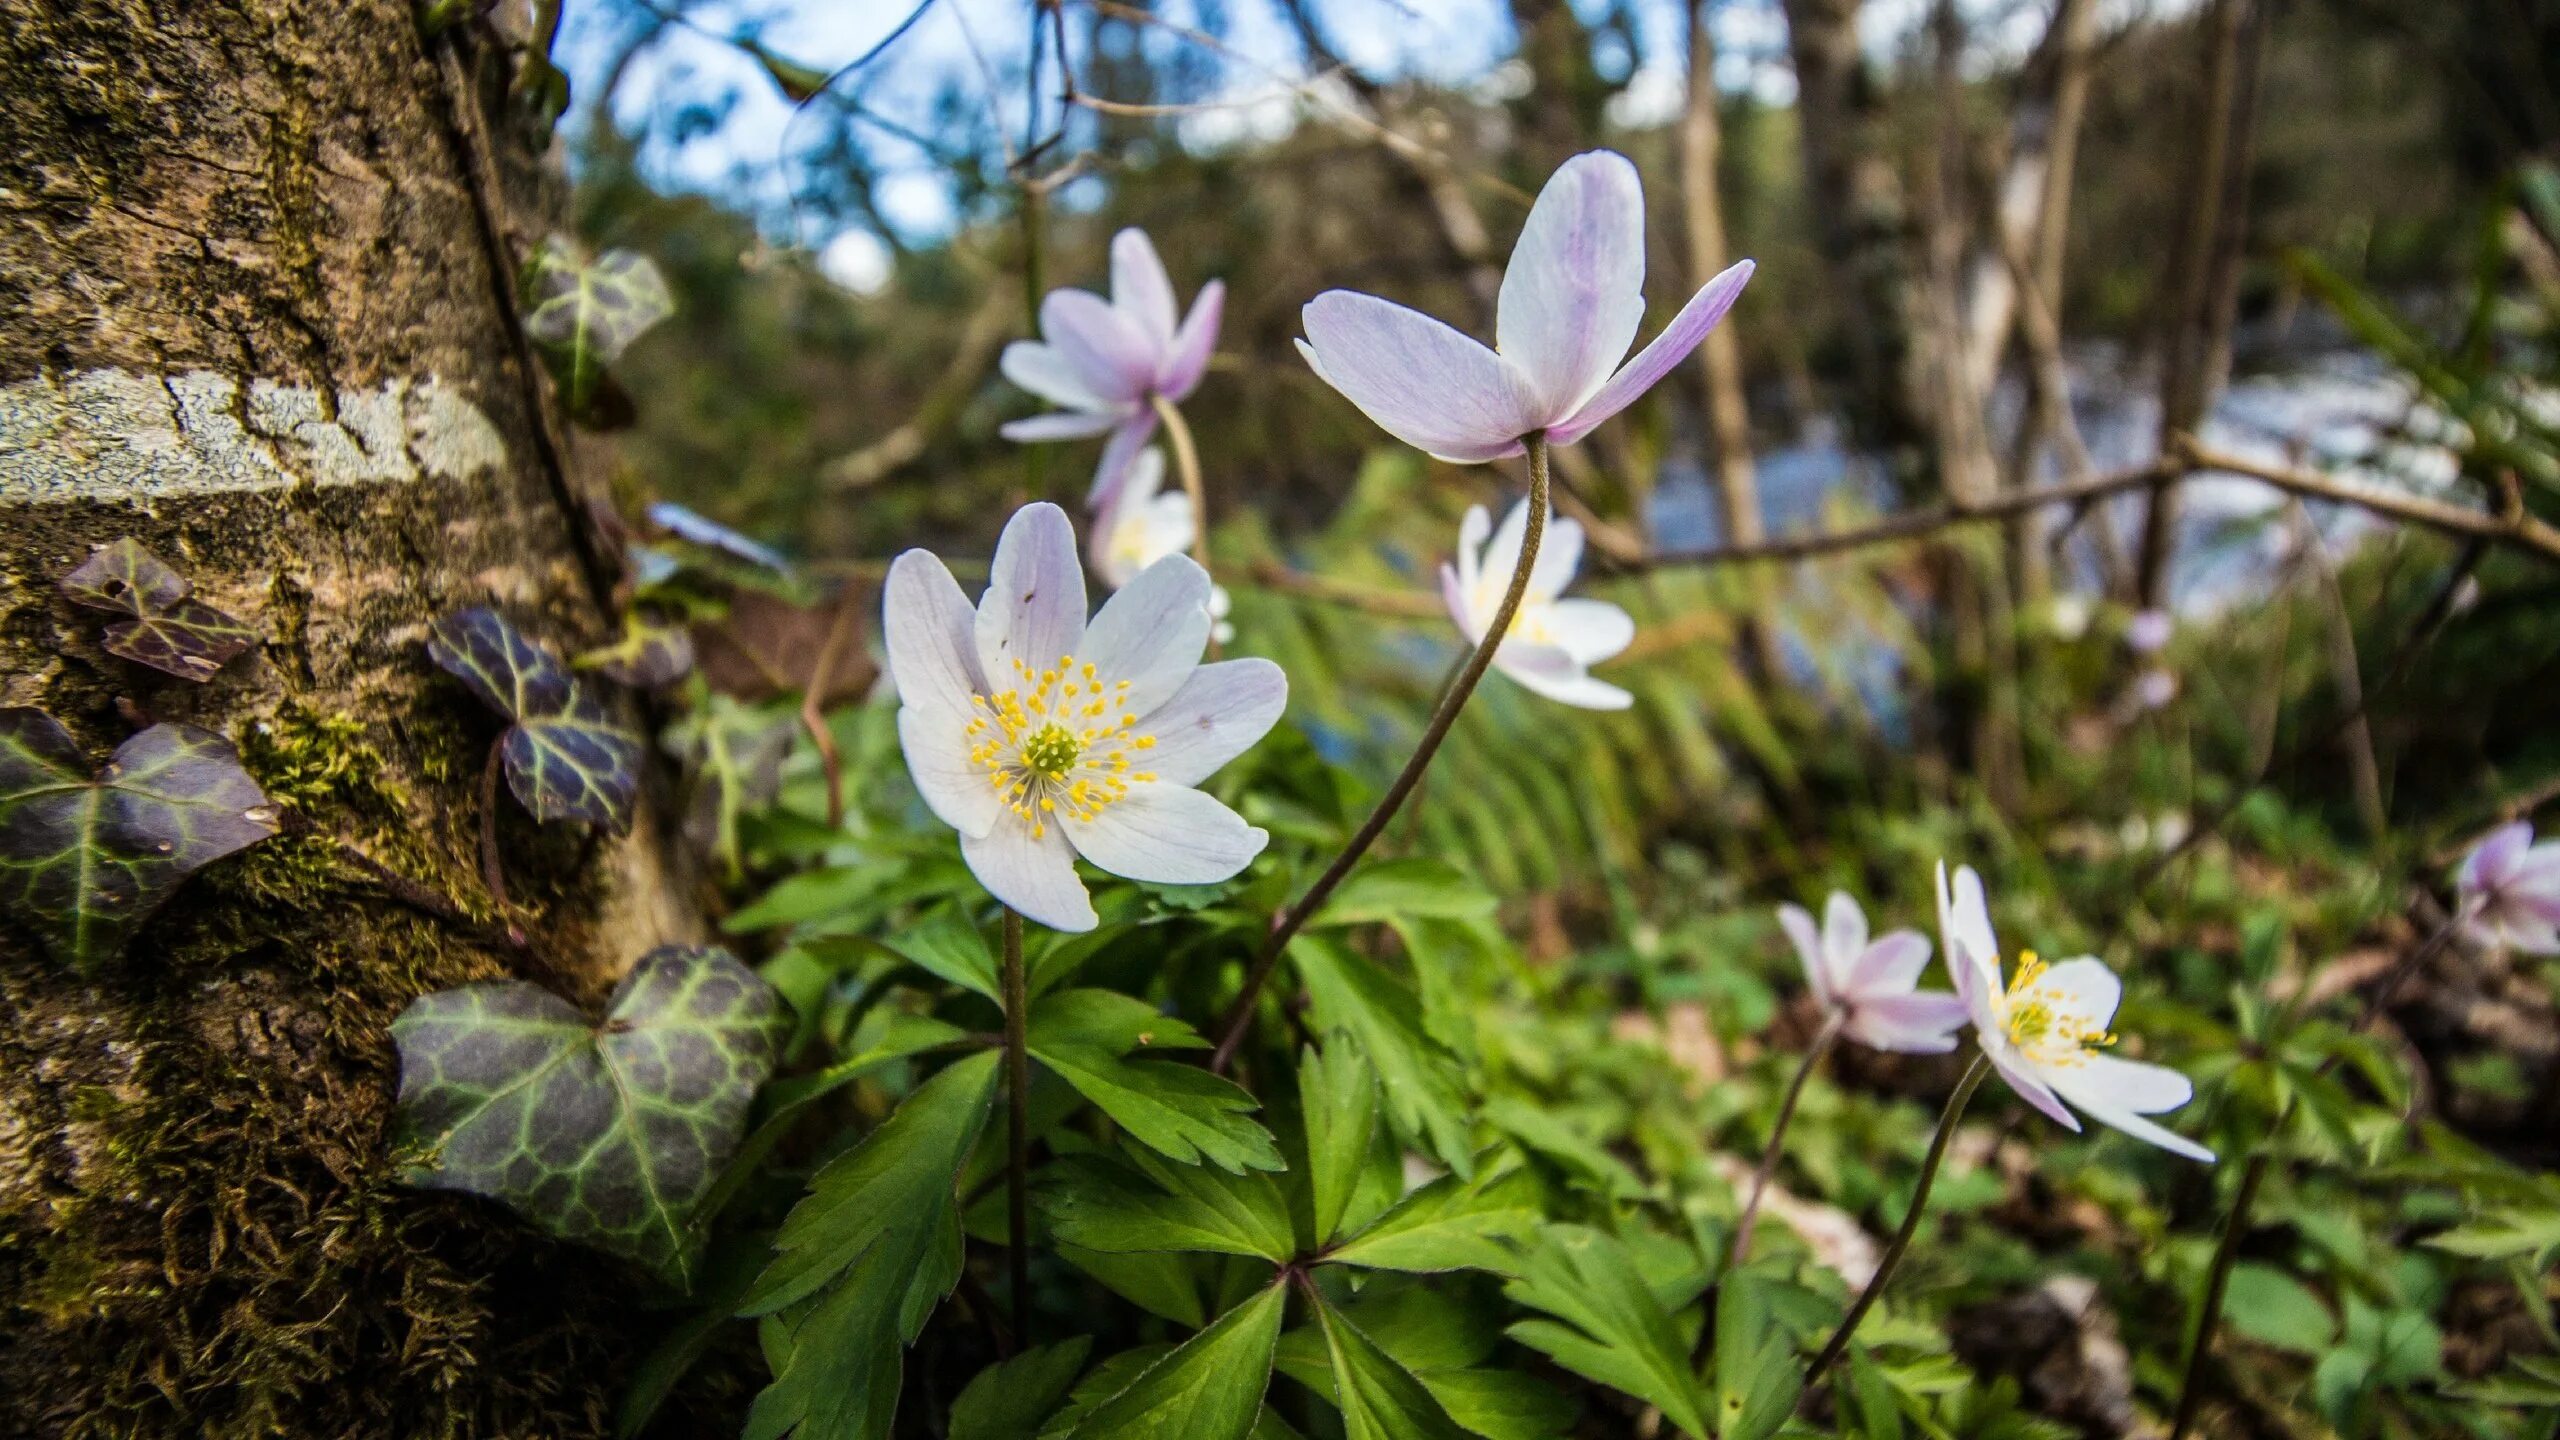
1286	924
1404	604
1017	1157
1812	1061
492	874
424	899
813	717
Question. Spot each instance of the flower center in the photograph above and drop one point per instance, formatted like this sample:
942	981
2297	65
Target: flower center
1531	623
2047	1023
1058	742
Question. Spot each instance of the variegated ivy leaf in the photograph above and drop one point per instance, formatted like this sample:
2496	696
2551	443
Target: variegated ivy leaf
566	757
653	651
605	1134
585	315
83	860
164	628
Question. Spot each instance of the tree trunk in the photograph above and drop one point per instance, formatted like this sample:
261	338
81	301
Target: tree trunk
256	312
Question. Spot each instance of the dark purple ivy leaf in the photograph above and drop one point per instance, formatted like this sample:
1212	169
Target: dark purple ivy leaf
652	652
164	629
84	860
608	1135
566	757
694	528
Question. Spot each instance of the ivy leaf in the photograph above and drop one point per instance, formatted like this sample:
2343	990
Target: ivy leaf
1338	1099
1104	1207
610	1134
1210	1388
163	628
1453	1223
862	1261
585	316
1009	1400
1423	1083
83	861
1379	1398
1180	1110
566	758
652	652
1608	1326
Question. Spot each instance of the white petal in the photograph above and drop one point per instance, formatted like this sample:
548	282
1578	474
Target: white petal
1964	930
1573	293
1590	630
1193	344
931	636
2111	1082
1217	715
1422	382
954	787
2089	985
1107	353
1461	603
1892	965
1034	606
1152	632
1559	556
2494	858
2025	1077
1471	536
1797	921
1574	687
1915	1024
1111	474
1168	835
1140	288
1061	425
1502	553
1035	876
1844	935
1045	371
1686	330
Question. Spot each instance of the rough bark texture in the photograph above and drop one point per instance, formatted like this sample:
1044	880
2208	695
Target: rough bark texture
253	313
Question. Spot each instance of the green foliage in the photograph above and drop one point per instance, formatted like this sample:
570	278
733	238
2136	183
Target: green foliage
86	859
1609	1325
585	314
1183	1112
566	756
607	1134
1209	1388
164	626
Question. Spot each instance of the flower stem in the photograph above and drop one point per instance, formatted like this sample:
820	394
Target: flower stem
1286	925
1186	464
1017	1158
1910	1221
1812	1061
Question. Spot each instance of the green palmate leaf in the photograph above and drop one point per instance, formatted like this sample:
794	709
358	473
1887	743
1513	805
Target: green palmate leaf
1338	1095
1423	1084
653	651
1453	1223
163	628
606	1134
2272	1308
566	757
1441	1338
862	1261
1407	889
948	945
1180	1110
1010	1400
585	316
1758	1378
1161	1282
83	861
1608	1325
2505	1234
1379	1398
1105	1207
896	1182
1209	1389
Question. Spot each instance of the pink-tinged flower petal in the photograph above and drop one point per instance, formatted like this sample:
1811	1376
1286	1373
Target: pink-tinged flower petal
2025	1079
1060	425
1797	921
1915	1024
1217	715
1193	344
1168	835
1045	371
931	635
1112	473
1140	288
1151	633
1656	360
1033	610
1573	293
1107	353
1422	382
1891	966
2494	858
955	787
1589	630
1036	876
1844	937
2091	987
1453	594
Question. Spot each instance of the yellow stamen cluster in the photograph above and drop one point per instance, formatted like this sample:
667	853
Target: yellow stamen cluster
2044	1022
1058	742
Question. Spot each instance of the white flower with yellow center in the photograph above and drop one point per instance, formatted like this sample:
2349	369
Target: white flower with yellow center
1041	738
1146	524
1553	642
2046	1032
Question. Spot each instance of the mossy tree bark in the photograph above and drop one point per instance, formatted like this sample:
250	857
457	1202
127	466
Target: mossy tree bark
255	312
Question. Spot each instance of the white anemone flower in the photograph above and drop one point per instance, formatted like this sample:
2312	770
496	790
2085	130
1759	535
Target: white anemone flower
1146	524
1553	642
2510	891
1873	987
2046	1030
1040	737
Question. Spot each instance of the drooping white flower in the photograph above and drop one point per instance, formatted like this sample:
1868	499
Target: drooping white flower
1872	986
1572	298
2046	1032
1553	642
1040	737
2510	890
1103	362
1147	524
